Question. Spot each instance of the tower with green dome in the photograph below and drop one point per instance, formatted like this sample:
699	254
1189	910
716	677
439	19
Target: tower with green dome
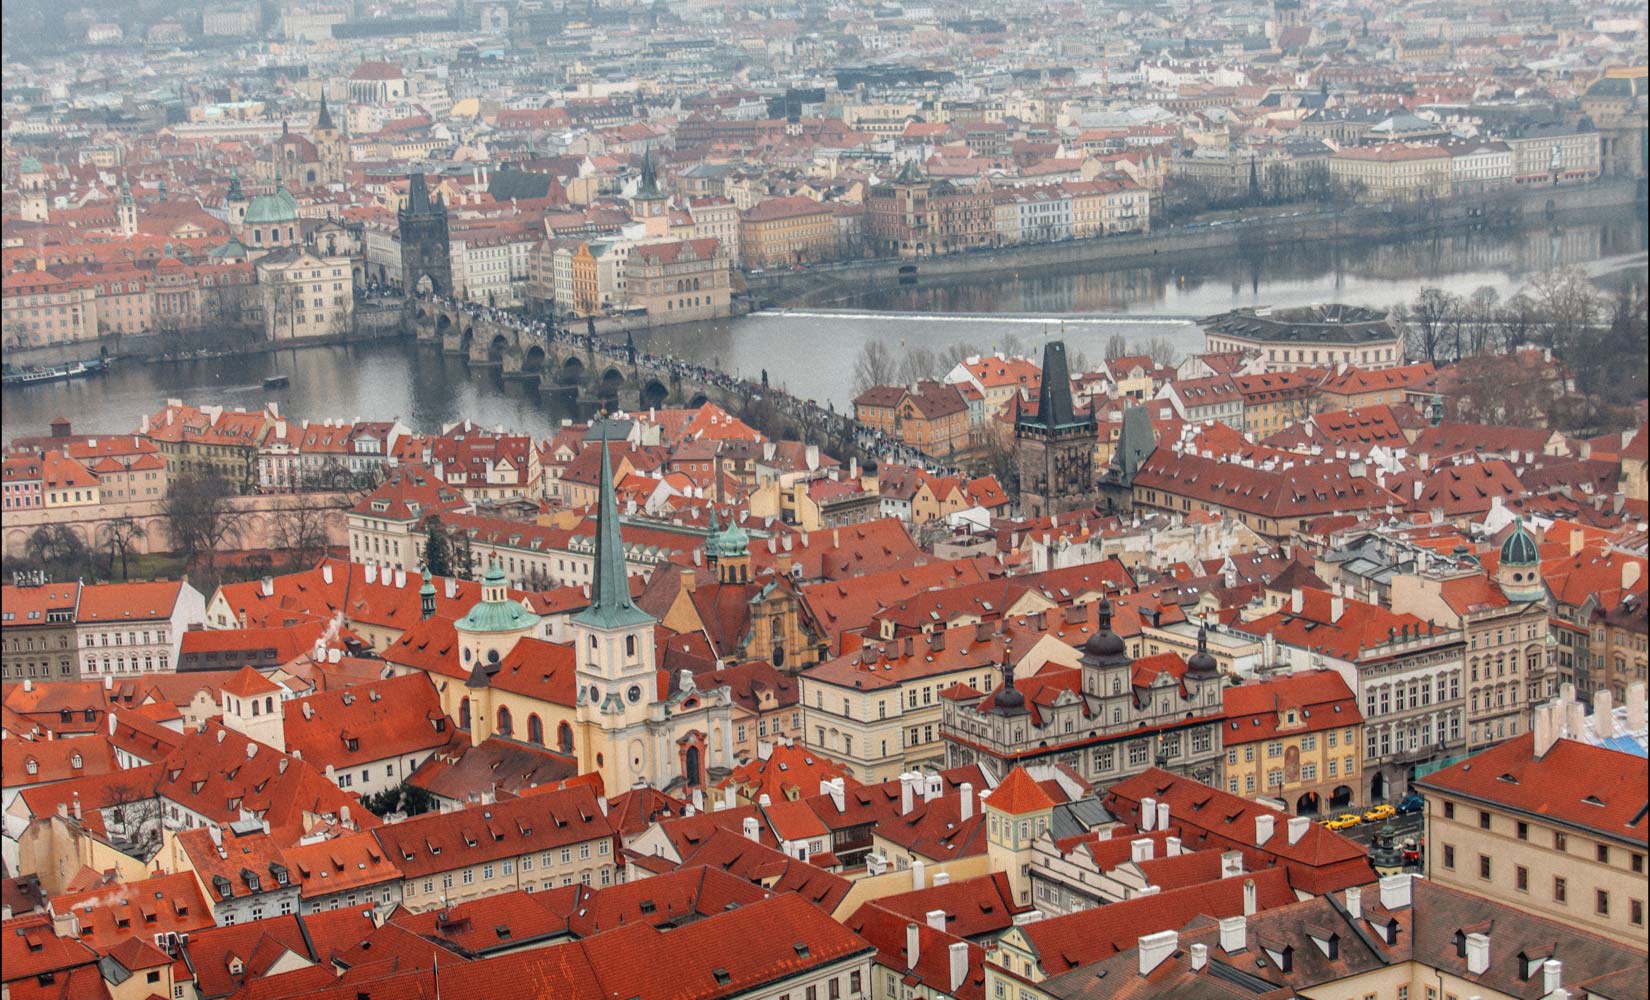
728	551
1518	574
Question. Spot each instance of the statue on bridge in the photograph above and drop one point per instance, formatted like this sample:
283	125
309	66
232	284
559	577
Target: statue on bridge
764	378
630	347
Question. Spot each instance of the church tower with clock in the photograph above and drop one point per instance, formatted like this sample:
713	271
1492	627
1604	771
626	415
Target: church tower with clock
1055	446
641	725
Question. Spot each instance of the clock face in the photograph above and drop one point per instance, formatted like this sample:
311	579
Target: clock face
634	694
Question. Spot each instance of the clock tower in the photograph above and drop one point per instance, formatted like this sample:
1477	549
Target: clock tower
617	675
1055	446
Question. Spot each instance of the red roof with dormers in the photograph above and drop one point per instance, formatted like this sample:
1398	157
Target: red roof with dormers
355	726
1577	784
110	914
1257	711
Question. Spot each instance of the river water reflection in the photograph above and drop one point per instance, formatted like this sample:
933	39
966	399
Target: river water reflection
811	352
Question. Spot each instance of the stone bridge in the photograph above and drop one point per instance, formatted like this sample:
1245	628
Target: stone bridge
598	374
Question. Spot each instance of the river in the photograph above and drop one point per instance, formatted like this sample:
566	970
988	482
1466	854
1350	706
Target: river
811	351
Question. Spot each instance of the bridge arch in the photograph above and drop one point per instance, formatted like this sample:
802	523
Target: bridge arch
654	393
534	359
572	370
699	399
496	348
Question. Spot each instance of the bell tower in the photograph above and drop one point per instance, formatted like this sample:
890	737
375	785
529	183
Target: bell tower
616	668
422	225
649	205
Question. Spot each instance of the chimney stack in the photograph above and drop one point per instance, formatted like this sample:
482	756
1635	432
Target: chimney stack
1148	815
959	964
916	876
1355	902
1248	897
1154	948
1140	850
1298	825
1478	954
936	919
1234	934
1200	957
1231	864
1263	828
1552	975
913	945
965	803
1395	891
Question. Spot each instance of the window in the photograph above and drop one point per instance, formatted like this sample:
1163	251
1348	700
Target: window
1521	878
1604	854
1635	912
1449	856
1561	891
1523	830
1449	810
1560	841
1483	820
1484	867
1601	903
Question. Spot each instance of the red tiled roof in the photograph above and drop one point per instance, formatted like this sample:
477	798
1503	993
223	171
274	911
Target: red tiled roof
1578	784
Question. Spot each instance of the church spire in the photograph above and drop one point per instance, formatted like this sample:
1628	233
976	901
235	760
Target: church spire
610	604
649	186
324	119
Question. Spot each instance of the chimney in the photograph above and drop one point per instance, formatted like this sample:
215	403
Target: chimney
1171	847
959	964
251	750
1163	816
1263	828
1337	607
1298	825
452	588
1297	601
1575	726
753	829
1604	714
1478	954
1578	538
1355	902
965	804
1395	890
75	807
1200	957
1148	815
839	795
1635	706
1630	572
371	573
1248	897
765	800
940	878
1154	948
1552	975
400	579
907	793
266	586
1547	728
1234	934
326	573
913	945
916	876
1140	850
936	919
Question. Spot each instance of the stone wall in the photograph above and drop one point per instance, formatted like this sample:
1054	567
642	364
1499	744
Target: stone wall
261	513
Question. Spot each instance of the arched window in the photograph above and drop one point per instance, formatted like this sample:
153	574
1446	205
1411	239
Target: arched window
564	738
630	645
503	728
535	730
464	714
269	705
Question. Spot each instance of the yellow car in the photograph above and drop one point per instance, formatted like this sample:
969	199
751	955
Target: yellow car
1345	821
1379	813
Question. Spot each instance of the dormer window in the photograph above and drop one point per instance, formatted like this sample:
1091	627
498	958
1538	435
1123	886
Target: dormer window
352	744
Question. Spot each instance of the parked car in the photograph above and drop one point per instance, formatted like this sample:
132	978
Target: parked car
1345	821
1411	803
1379	813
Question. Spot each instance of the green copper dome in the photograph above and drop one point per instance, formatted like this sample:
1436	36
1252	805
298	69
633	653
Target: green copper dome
278	206
496	612
1520	549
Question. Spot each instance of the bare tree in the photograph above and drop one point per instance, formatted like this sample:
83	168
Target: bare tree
199	517
1483	306
1568	306
121	535
955	354
1517	320
1117	346
1431	315
301	533
874	366
917	365
1163	352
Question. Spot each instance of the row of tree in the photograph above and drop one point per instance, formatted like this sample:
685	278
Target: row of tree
878	364
1604	339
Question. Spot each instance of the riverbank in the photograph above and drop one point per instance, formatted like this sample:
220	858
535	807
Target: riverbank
821	285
